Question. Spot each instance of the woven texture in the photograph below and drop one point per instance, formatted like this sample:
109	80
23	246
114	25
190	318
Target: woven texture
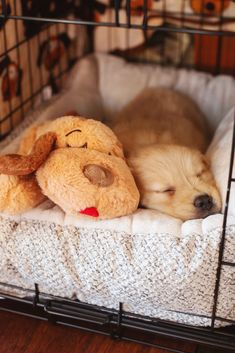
157	274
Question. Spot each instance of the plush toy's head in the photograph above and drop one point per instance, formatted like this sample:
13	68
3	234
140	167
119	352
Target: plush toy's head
88	182
84	133
79	165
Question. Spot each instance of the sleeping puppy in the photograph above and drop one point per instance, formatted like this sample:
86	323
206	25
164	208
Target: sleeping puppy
164	135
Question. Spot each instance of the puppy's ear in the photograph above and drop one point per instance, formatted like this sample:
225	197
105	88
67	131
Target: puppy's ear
15	164
206	162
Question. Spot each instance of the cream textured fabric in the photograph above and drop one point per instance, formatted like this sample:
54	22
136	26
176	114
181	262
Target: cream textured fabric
155	264
219	154
161	273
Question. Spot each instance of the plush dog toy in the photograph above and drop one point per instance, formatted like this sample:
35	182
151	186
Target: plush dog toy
77	163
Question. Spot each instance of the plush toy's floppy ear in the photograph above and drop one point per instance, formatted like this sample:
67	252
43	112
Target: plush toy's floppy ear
15	164
98	175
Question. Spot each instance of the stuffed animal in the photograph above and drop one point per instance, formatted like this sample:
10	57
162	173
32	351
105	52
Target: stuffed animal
19	190
77	163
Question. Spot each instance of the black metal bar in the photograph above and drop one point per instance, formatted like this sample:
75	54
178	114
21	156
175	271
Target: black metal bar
4	9
8	83
12	286
189	14
117	7
223	236
67	51
17	44
73	312
220	43
200	37
222	319
162	51
38	36
13	47
125	338
6	117
30	73
116	333
203	316
59	63
120	313
122	25
51	80
145	18
36	296
226	263
85	315
154	12
18	57
128	13
27	100
226	19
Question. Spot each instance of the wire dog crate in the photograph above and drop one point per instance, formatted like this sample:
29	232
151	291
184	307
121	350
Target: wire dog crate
36	51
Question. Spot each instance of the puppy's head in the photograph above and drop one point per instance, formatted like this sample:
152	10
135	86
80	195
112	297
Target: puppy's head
175	180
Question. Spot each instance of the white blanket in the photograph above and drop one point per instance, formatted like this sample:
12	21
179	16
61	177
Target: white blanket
156	265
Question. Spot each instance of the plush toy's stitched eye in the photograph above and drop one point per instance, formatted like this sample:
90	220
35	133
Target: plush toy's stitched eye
110	154
71	132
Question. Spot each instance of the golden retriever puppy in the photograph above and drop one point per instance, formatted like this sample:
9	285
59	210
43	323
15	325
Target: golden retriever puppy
164	135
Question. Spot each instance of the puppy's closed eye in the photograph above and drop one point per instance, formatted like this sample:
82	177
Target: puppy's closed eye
169	191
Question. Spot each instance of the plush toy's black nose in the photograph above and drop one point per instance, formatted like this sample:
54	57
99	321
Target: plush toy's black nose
204	202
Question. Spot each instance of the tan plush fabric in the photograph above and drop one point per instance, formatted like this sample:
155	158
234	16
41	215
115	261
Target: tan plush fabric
19	190
63	181
76	132
86	174
19	194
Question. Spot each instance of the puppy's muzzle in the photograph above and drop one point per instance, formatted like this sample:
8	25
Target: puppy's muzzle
204	202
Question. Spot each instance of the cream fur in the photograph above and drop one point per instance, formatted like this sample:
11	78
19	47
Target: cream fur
163	132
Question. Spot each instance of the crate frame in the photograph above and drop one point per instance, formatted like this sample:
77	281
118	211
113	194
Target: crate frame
117	323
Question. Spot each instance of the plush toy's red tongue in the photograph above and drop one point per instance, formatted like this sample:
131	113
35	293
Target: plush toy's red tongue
90	211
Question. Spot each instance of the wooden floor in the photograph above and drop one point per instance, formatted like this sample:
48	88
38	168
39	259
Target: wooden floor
19	334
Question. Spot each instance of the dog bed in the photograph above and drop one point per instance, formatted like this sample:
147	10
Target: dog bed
156	265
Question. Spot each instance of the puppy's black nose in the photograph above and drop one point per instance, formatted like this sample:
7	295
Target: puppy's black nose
204	202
